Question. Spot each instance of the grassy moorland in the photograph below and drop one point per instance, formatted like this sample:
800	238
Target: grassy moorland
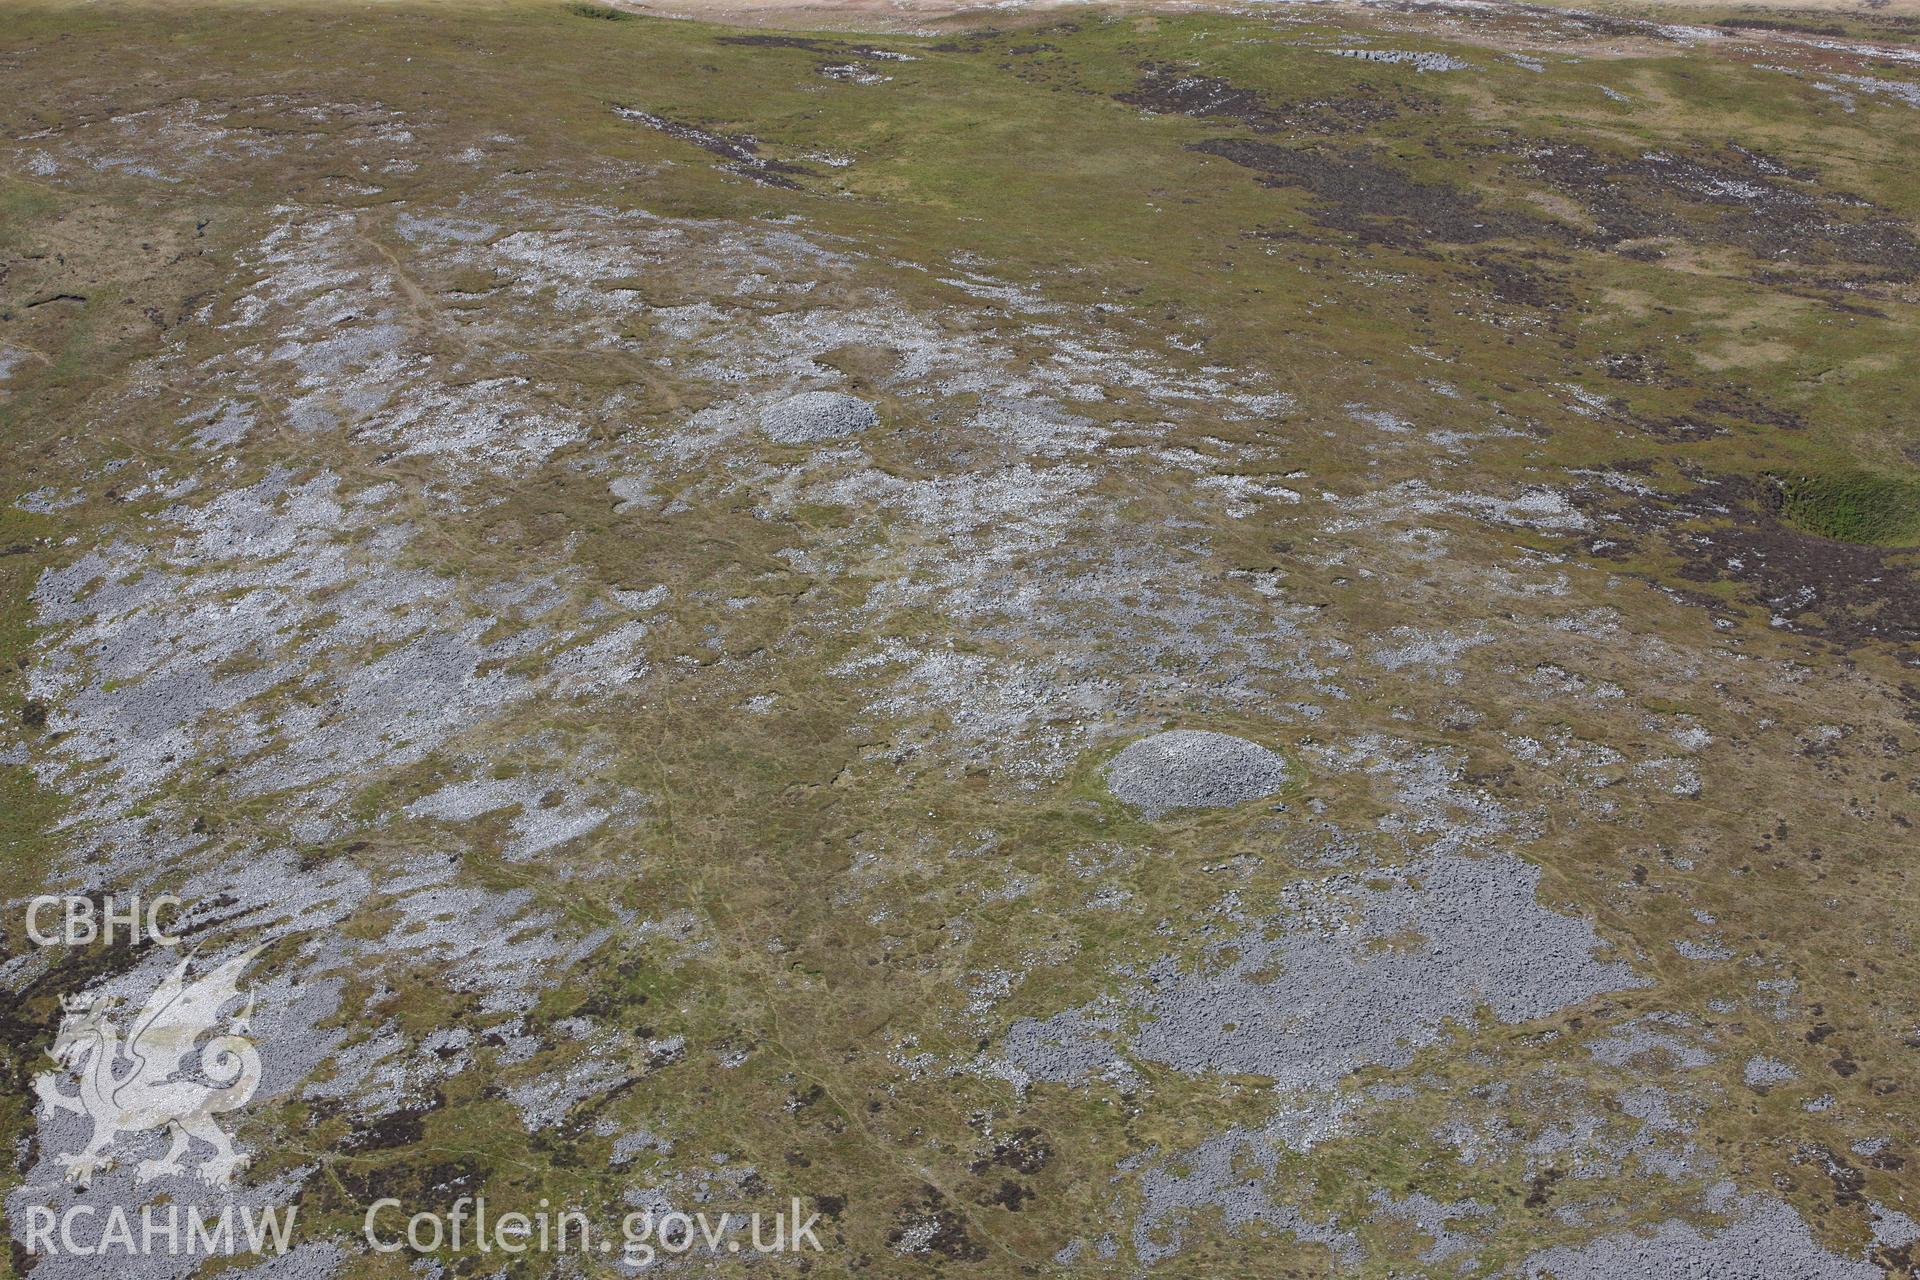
1505	417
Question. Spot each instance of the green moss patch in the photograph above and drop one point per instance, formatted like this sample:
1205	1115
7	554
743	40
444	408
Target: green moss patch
600	11
1855	506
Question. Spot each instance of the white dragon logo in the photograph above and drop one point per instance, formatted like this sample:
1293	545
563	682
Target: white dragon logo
144	1084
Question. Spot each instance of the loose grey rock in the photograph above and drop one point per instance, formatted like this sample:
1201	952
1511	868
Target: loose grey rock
1193	769
1237	1176
1766	1239
1891	1228
1418	60
1307	1007
817	415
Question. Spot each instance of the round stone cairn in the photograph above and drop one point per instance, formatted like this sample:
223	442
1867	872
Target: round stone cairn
817	415
1193	769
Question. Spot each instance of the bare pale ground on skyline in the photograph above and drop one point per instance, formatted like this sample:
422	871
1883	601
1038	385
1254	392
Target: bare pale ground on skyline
893	14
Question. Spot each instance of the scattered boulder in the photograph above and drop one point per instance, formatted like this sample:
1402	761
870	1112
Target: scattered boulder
634	492
817	415
1193	769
